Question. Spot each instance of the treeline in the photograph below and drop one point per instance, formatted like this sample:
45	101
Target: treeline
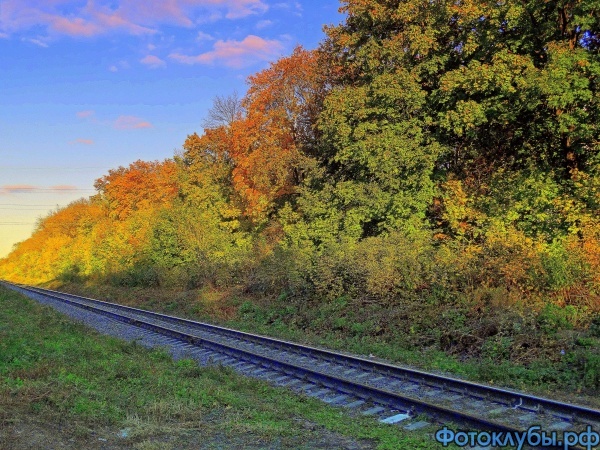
426	153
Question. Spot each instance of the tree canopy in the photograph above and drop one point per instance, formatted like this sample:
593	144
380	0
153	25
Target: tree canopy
444	144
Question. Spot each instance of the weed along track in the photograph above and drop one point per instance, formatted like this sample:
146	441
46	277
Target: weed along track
404	397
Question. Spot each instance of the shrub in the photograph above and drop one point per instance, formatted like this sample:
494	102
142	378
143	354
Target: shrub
553	318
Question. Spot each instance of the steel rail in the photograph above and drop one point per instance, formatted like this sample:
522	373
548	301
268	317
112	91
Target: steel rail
523	401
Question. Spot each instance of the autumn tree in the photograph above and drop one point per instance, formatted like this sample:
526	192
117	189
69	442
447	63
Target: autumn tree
61	244
201	237
226	109
142	185
269	144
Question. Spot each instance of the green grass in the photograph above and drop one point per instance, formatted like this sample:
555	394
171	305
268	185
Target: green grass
60	372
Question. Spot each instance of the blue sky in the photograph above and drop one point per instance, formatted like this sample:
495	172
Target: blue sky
86	86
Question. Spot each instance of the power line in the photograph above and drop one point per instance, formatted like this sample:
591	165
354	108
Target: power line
50	168
33	188
26	190
23	204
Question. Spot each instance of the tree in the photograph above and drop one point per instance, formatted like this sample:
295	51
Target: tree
139	186
424	89
206	175
377	153
224	112
277	133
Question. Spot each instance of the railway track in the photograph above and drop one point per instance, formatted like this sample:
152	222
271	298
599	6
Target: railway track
397	395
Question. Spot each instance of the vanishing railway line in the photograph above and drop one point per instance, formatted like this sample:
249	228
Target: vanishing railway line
409	397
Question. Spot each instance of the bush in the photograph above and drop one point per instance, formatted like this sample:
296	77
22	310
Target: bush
563	266
140	275
553	318
391	268
595	326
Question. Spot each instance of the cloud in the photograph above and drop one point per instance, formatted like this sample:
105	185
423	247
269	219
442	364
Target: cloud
76	18
73	27
67	17
64	187
154	62
210	18
122	122
17	188
263	24
187	12
204	37
37	42
82	141
119	65
109	20
130	123
243	8
293	7
235	54
85	114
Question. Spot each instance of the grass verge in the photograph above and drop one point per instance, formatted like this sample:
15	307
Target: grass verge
63	385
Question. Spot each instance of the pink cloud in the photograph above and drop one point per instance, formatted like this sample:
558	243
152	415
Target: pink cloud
155	11
64	187
73	18
17	188
186	12
73	27
108	20
154	62
83	141
130	123
85	114
204	37
235	53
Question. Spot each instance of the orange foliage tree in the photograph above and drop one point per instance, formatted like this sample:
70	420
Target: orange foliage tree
268	144
142	185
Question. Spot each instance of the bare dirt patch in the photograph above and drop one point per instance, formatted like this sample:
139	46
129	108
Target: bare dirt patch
32	433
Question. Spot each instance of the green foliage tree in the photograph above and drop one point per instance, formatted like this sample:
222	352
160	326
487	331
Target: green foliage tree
426	88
